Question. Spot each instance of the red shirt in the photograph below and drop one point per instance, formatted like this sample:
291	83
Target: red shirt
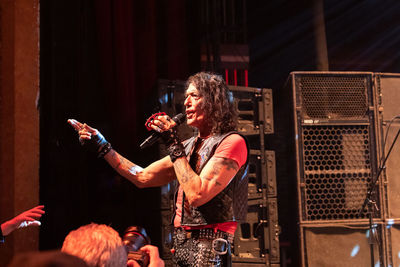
232	147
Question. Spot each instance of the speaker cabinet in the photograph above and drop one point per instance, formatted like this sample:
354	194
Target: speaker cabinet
334	246
388	91
388	94
335	129
337	142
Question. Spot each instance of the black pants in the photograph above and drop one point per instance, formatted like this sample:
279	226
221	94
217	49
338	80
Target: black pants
194	248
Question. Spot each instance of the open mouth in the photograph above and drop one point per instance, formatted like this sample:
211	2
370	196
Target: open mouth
189	114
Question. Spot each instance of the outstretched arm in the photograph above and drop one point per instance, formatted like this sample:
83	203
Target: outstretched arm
156	174
26	218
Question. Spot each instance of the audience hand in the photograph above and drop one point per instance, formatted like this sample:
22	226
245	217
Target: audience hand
155	260
25	219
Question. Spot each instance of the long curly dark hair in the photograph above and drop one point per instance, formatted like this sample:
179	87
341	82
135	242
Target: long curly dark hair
218	101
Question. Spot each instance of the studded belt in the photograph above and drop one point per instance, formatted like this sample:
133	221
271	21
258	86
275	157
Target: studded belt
204	233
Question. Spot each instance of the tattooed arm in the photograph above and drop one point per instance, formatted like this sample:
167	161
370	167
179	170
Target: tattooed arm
215	176
156	174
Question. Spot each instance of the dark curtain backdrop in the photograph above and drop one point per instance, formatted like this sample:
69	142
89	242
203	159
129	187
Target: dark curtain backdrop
139	42
100	62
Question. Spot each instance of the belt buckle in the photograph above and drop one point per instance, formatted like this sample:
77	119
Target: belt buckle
188	234
220	246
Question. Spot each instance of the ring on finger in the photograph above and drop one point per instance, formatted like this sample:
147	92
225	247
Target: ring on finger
161	125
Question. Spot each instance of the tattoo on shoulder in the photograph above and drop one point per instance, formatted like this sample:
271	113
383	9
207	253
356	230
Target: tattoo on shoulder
228	163
219	164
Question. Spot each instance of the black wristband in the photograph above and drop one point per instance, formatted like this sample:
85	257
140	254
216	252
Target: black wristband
174	146
97	143
104	150
176	151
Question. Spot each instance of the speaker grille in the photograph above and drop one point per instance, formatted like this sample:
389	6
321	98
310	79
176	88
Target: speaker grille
333	97
337	171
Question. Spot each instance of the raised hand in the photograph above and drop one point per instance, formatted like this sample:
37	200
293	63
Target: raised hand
26	218
85	131
92	137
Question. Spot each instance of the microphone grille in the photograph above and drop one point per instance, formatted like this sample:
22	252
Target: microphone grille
179	118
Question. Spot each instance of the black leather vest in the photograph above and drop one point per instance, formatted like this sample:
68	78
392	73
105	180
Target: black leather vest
231	203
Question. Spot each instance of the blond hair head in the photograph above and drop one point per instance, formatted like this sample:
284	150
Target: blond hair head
98	245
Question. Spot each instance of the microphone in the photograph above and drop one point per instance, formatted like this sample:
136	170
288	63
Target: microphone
178	119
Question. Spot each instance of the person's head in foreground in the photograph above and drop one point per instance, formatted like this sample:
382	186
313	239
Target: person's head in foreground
98	245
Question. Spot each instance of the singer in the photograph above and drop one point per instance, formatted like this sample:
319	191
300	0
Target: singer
210	168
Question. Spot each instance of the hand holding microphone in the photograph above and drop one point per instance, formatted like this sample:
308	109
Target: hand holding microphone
161	123
165	128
